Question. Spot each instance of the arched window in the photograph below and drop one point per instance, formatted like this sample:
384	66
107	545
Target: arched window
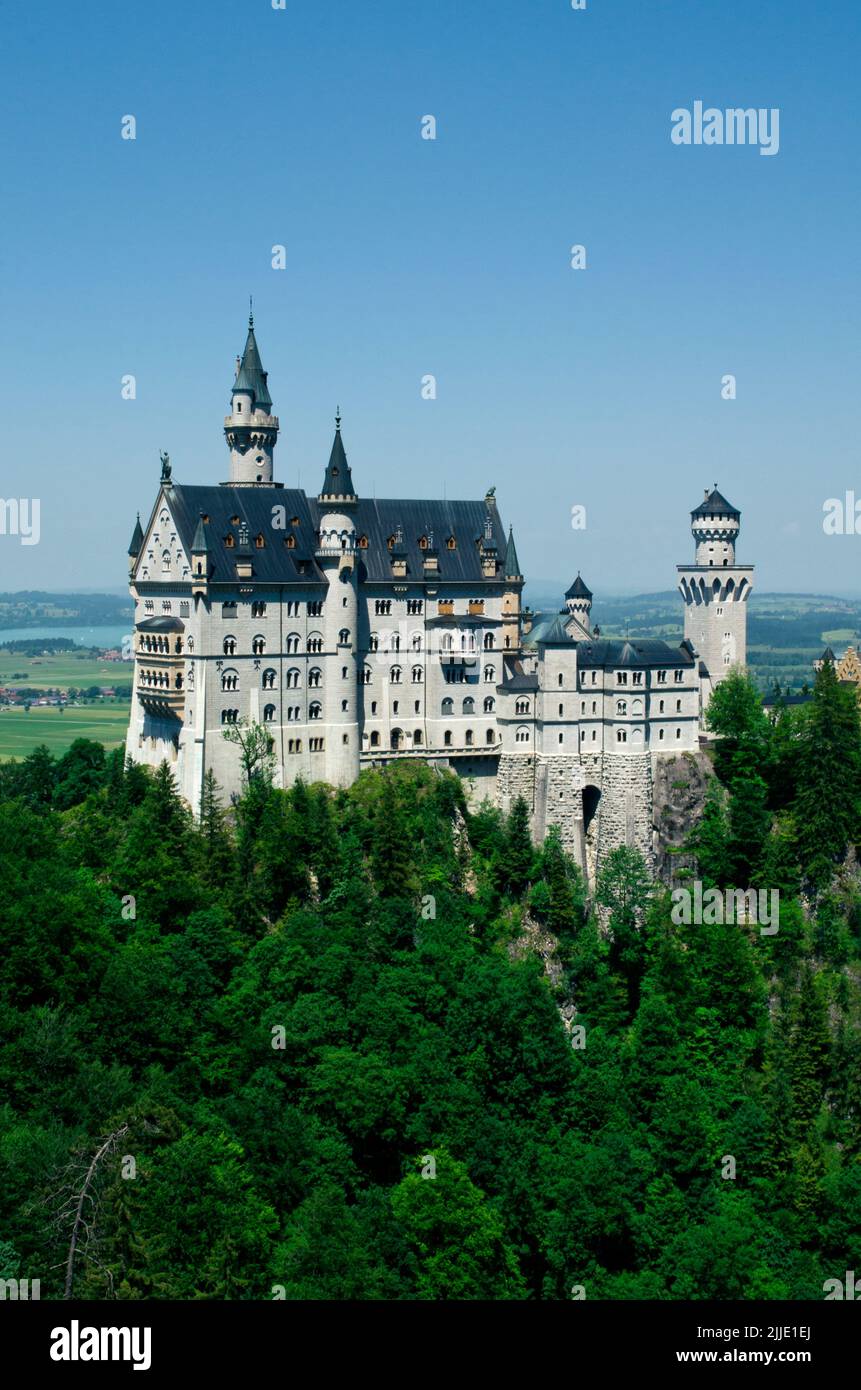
448	706
490	737
447	738
366	675
269	679
269	714
418	675
291	680
467	641
165	561
488	641
469	739
258	610
315	642
416	641
521	735
229	680
417	738
293	642
315	676
489	674
229	646
258	646
621	735
344	636
447	643
315	709
375	739
395	675
521	707
469	705
374	642
621	706
229	716
489	704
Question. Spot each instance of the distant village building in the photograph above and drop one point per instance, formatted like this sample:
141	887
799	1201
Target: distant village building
847	668
360	630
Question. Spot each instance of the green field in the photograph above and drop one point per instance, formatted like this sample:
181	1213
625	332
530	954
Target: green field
66	668
20	733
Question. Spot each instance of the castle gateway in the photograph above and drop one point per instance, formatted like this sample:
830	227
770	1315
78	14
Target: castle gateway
361	630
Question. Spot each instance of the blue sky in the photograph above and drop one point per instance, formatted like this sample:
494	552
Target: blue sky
408	257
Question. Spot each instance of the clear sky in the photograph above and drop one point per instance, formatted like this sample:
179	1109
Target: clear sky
408	257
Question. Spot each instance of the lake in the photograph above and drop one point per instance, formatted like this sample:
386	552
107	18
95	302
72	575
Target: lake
110	635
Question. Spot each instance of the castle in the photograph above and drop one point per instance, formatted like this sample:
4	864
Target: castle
358	631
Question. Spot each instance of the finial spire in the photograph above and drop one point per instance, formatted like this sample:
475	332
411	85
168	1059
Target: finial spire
250	311
338	418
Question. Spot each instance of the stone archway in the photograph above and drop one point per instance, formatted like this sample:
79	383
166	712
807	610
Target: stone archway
591	822
397	740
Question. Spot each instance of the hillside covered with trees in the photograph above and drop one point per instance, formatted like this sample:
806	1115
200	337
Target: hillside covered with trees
300	1048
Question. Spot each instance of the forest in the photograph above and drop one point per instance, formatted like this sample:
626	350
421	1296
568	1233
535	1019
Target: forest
300	1047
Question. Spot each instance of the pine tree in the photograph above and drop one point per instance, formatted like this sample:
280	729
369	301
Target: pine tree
709	840
826	808
517	859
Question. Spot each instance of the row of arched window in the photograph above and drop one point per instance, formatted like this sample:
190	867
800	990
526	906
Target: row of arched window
468	706
269	678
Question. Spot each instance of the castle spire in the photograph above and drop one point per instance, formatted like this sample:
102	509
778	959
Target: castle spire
338	480
512	564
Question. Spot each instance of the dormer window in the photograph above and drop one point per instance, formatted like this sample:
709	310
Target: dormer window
290	542
259	542
234	521
229	542
423	542
451	543
362	543
294	521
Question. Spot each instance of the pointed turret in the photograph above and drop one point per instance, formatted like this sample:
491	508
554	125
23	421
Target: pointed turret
136	541
200	544
512	564
578	601
338	481
250	378
251	431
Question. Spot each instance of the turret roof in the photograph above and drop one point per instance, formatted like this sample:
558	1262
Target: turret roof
338	481
578	589
251	376
512	564
137	538
715	504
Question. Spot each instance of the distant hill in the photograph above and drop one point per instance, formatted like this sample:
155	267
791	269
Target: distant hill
35	608
785	632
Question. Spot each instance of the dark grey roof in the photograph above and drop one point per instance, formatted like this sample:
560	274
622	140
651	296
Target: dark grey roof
378	518
338	481
137	538
375	519
254	506
160	625
715	505
251	376
511	568
828	655
578	589
650	651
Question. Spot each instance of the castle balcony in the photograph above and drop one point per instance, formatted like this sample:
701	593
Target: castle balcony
161	701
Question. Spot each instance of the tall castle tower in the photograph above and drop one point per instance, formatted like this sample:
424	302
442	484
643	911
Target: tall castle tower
715	590
336	554
250	429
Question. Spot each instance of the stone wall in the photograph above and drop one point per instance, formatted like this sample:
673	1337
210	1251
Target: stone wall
680	785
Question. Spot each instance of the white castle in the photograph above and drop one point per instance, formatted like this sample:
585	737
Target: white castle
358	631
